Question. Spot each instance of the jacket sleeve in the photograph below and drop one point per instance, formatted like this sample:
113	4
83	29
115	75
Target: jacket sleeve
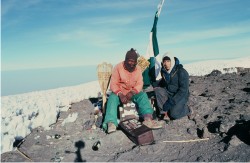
114	81
183	90
139	84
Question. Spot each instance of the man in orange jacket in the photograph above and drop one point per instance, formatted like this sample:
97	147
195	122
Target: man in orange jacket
126	85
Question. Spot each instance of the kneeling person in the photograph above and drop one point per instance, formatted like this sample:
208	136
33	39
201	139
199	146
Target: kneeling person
173	91
126	85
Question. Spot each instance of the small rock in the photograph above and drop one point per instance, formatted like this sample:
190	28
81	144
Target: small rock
93	127
221	149
214	73
226	125
88	125
223	134
191	131
235	141
205	133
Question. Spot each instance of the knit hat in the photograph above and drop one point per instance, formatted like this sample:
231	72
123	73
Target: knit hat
165	58
131	54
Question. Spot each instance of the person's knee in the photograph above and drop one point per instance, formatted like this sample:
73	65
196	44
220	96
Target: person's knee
177	113
144	95
174	115
113	97
140	97
159	90
143	103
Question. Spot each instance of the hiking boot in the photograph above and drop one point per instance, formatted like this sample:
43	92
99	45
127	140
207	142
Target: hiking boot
166	117
152	124
111	127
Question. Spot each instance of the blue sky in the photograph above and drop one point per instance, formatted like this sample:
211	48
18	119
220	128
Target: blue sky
53	33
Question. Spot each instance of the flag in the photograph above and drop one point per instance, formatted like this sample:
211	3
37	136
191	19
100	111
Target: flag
153	71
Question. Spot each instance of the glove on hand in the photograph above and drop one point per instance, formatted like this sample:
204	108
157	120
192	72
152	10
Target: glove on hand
129	95
123	98
168	105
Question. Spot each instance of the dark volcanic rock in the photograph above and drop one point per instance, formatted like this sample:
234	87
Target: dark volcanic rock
221	103
214	73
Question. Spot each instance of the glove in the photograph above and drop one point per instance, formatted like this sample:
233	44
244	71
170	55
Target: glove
129	95
123	98
168	105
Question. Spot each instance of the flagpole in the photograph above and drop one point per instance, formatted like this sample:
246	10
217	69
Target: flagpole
155	46
159	7
152	54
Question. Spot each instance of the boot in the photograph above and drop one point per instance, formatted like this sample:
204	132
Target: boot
152	124
166	117
111	127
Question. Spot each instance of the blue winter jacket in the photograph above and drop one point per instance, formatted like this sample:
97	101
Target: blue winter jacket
176	84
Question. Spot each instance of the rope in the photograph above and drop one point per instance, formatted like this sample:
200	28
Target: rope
24	155
184	141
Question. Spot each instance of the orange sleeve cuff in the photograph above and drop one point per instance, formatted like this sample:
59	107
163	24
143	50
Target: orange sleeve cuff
135	91
117	92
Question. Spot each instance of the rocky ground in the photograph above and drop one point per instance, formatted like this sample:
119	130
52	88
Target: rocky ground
220	127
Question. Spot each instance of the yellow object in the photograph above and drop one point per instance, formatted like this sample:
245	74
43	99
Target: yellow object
143	63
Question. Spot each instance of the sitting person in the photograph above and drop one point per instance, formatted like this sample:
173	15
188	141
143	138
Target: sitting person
173	91
126	85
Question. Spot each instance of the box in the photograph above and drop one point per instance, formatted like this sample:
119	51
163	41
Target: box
132	127
137	132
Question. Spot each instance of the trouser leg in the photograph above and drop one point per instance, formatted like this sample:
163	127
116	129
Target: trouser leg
179	111
161	96
142	101
111	111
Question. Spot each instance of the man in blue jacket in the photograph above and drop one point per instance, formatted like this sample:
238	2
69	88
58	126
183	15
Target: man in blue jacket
173	91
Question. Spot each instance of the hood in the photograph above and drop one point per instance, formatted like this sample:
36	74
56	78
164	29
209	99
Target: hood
174	60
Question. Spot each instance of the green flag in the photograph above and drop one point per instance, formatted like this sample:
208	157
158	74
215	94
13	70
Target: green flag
152	54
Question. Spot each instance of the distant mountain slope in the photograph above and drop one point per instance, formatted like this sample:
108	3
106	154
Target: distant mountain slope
206	67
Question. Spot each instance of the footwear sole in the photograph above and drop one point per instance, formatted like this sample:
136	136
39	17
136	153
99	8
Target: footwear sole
156	128
111	131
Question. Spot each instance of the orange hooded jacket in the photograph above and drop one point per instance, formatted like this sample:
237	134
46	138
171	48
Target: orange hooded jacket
125	81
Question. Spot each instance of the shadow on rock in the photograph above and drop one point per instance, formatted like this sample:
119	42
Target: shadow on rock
79	145
241	130
213	127
246	90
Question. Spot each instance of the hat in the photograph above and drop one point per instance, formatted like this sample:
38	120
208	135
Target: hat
131	54
165	58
